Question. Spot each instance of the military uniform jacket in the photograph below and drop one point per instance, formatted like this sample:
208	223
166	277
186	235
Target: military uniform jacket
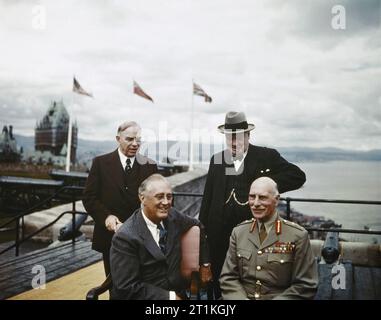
282	267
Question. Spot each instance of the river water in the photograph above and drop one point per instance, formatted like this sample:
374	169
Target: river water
343	180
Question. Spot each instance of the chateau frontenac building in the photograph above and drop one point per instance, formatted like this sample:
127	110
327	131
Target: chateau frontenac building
51	132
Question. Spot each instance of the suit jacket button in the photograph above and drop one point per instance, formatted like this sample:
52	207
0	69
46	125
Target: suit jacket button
259	268
260	252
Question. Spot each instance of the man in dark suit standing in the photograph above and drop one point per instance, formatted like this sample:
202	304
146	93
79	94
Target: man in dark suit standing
111	192
230	174
146	251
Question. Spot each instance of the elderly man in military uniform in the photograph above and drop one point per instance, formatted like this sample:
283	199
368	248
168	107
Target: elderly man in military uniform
224	204
268	257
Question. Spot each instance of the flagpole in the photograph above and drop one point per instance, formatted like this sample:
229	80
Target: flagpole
191	135
69	134
133	99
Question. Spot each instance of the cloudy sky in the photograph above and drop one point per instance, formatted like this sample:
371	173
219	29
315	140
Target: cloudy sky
301	81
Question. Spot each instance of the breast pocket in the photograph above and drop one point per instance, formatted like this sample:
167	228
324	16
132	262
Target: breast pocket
244	261
280	267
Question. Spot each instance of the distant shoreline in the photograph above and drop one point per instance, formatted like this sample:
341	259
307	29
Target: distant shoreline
88	149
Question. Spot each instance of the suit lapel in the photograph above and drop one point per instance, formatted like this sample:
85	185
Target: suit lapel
224	167
116	169
149	242
254	237
138	164
250	165
251	161
271	238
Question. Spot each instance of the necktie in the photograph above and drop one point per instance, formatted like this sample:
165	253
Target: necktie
162	237
262	233
128	168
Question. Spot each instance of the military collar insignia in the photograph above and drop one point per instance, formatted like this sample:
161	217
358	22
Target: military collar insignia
253	225
278	226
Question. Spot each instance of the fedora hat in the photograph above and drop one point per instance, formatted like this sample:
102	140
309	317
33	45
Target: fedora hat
235	121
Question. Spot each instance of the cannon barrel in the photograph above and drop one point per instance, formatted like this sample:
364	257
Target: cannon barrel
67	231
331	249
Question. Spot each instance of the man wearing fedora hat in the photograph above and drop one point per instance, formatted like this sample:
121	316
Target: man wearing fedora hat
230	175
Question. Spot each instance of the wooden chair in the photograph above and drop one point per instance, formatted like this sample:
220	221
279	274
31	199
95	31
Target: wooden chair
94	293
190	250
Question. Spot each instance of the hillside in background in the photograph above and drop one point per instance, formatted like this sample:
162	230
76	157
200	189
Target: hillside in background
88	149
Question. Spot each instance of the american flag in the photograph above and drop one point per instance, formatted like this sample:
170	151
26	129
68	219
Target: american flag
78	89
198	91
139	91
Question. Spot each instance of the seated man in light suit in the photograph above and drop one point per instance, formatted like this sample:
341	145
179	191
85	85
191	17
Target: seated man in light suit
268	257
146	252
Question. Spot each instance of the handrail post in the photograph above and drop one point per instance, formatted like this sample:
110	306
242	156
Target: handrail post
288	210
73	200
73	228
73	217
22	228
17	236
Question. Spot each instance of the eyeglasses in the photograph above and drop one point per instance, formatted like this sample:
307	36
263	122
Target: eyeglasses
131	139
162	196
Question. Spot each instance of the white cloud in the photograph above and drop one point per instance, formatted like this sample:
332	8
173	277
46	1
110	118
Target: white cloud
297	79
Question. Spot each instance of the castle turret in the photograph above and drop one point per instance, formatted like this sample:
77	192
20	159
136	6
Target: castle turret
51	132
8	146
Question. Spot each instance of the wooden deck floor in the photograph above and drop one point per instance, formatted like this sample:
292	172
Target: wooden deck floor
71	287
17	275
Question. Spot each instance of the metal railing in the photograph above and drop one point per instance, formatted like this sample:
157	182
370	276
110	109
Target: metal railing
31	210
288	201
18	242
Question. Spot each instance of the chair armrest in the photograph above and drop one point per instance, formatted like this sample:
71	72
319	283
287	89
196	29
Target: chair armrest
190	252
94	293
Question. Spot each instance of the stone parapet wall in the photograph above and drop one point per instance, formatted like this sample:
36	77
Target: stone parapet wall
358	253
193	182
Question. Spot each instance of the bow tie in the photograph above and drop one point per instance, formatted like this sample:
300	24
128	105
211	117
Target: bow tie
239	157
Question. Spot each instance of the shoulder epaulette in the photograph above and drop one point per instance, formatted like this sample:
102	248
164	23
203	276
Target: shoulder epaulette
246	222
293	224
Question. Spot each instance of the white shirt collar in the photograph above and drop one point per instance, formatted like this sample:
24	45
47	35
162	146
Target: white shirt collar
152	227
148	221
123	159
238	162
268	224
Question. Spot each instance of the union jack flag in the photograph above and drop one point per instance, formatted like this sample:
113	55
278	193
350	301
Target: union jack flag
198	91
